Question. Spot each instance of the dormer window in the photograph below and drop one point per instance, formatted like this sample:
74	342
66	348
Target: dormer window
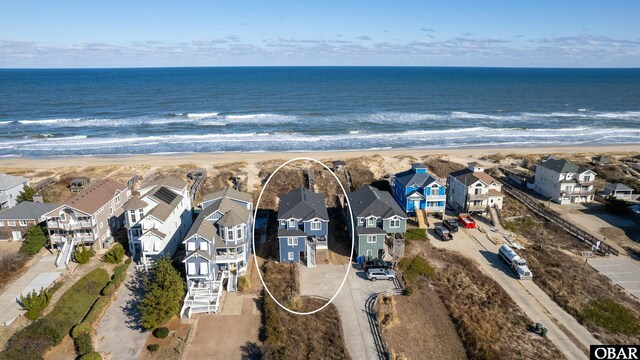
293	223
316	225
371	222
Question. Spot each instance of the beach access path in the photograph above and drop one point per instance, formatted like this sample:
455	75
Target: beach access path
565	332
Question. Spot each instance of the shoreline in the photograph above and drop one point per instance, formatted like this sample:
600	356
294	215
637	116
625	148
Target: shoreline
229	157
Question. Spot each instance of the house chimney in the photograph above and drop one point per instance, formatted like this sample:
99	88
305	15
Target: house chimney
37	198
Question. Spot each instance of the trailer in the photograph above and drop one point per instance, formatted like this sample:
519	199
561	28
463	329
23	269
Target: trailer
517	264
467	221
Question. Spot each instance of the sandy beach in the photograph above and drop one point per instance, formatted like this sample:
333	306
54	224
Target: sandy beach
208	159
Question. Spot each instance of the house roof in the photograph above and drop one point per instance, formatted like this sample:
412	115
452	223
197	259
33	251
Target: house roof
369	201
468	177
302	203
9	181
229	193
27	210
157	232
290	232
361	230
562	166
226	205
199	253
231	218
410	177
203	227
618	187
602	159
339	162
169	181
95	196
135	203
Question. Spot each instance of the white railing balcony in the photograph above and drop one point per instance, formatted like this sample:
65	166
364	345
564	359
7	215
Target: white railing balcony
83	238
436	197
52	224
229	258
56	238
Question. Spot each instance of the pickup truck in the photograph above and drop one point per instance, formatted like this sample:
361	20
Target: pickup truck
451	224
443	233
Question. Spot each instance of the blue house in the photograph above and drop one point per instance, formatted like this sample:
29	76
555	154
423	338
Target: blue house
303	226
417	189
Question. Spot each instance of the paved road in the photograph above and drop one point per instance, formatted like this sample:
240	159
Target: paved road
119	332
529	297
41	274
324	280
622	270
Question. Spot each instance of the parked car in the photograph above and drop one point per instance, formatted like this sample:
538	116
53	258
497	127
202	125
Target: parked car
443	233
451	224
380	274
377	264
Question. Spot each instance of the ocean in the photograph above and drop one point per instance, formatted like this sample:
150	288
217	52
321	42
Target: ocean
80	112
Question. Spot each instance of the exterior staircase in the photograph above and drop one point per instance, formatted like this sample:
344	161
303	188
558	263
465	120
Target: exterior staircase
203	299
422	219
496	217
232	284
65	255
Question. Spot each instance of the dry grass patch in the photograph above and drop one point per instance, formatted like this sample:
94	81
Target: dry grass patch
440	167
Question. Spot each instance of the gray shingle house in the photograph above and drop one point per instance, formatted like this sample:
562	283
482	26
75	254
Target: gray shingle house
10	187
564	182
14	222
303	226
379	220
619	191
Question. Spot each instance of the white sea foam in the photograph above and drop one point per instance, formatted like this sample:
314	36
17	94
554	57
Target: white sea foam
201	115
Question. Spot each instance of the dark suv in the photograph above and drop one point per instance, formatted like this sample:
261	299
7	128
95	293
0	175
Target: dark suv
376	264
451	224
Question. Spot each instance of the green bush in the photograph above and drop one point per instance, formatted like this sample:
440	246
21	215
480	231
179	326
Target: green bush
243	283
418	266
416	234
119	274
153	347
81	329
161	332
84	344
34	303
520	225
34	241
34	340
91	356
96	310
108	290
83	254
612	316
114	255
128	261
26	194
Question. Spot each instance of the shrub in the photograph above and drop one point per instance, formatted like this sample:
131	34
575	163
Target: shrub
153	347
128	261
81	329
119	274
114	255
416	234
164	291
612	316
519	225
84	344
26	194
243	283
34	240
34	303
83	254
415	267
161	332
96	310
108	290
34	340
91	356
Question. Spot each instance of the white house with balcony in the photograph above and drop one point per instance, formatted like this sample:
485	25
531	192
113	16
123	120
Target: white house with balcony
10	187
218	249
564	182
473	190
157	219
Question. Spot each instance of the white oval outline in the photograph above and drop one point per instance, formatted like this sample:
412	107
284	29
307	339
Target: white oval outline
253	243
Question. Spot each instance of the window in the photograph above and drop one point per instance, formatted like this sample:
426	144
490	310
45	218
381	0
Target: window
204	268
292	241
290	256
63	216
23	222
1	223
369	253
371	222
293	223
191	268
132	215
316	225
587	178
203	245
360	221
283	223
110	209
372	239
11	223
229	234
239	233
141	213
191	246
117	198
394	223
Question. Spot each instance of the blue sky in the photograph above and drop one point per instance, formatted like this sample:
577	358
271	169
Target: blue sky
115	33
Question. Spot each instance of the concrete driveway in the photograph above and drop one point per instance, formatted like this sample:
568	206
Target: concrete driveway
119	332
622	270
324	280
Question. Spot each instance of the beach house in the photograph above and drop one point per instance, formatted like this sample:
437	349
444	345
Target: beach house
415	189
303	226
157	218
218	249
564	182
619	191
93	216
10	187
473	190
14	222
378	221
